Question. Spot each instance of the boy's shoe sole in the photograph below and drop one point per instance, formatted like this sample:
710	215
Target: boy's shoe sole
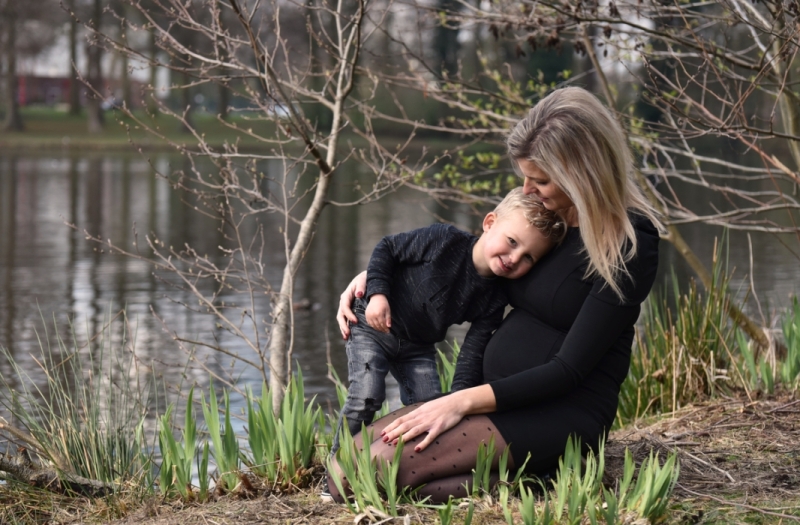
325	494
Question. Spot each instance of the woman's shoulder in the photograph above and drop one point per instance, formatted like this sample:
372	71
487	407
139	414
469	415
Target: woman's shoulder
642	222
647	234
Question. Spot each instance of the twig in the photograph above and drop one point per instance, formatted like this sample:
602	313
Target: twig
706	463
778	409
742	505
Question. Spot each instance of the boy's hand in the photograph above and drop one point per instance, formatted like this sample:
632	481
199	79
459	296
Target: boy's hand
378	313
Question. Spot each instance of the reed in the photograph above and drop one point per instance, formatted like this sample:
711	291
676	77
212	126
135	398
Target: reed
87	416
446	366
370	482
445	513
177	457
506	487
790	365
683	351
283	446
654	486
578	495
481	474
223	440
575	492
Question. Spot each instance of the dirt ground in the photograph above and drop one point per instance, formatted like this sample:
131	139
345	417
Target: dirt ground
739	460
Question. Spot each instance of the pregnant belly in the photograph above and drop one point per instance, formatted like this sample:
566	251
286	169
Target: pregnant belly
521	342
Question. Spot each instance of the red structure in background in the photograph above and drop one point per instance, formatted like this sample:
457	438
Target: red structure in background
50	91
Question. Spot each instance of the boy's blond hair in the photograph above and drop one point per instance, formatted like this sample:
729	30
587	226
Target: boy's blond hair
551	225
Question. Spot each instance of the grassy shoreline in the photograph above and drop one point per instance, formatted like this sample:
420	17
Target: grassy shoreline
53	130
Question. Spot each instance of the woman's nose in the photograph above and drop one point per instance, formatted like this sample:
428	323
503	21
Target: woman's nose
528	187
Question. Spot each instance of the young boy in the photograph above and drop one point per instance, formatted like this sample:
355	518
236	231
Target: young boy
421	282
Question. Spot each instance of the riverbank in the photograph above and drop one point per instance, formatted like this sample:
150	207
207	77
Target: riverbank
51	130
54	130
739	464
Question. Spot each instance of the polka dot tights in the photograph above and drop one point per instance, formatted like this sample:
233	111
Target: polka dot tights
445	466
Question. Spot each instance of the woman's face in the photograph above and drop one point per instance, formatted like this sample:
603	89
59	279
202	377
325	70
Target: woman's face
539	184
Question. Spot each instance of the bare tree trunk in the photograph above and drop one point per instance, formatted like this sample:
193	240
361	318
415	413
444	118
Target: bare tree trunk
94	75
125	76
282	311
349	44
74	87
152	106
224	101
446	41
13	120
788	99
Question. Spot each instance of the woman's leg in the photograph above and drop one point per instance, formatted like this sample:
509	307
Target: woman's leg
374	430
445	466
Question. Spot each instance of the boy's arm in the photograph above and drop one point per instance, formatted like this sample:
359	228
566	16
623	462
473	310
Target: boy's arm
469	366
411	247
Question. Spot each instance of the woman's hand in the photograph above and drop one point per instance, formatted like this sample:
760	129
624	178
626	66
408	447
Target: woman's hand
356	288
440	415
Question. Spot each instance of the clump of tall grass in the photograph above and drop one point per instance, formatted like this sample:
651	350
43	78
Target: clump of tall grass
676	360
86	416
577	494
178	457
371	481
682	351
767	370
225	444
690	350
283	446
789	369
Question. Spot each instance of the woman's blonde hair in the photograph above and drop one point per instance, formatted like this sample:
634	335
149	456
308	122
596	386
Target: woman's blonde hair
577	142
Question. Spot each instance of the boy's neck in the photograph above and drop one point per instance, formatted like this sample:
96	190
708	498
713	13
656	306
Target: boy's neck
479	261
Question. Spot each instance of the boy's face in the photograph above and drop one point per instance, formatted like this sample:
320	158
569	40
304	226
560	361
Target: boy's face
509	246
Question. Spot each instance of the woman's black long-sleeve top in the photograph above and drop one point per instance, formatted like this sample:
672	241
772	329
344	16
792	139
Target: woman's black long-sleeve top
558	359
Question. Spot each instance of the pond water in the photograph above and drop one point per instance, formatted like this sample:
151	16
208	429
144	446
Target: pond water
51	275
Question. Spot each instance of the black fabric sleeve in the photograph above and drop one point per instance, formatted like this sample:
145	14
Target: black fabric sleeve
469	366
602	319
412	247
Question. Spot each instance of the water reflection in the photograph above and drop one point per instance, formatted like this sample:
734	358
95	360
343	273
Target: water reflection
49	274
52	276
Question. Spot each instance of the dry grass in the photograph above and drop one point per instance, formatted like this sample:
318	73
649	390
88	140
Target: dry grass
740	460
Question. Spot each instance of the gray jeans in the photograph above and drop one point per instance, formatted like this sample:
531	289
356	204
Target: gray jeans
370	356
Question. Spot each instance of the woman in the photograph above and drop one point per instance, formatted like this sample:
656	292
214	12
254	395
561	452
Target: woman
554	367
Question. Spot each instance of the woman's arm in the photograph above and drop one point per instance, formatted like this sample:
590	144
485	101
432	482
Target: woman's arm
440	415
356	288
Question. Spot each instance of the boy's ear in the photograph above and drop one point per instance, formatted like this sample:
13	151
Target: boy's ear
489	221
